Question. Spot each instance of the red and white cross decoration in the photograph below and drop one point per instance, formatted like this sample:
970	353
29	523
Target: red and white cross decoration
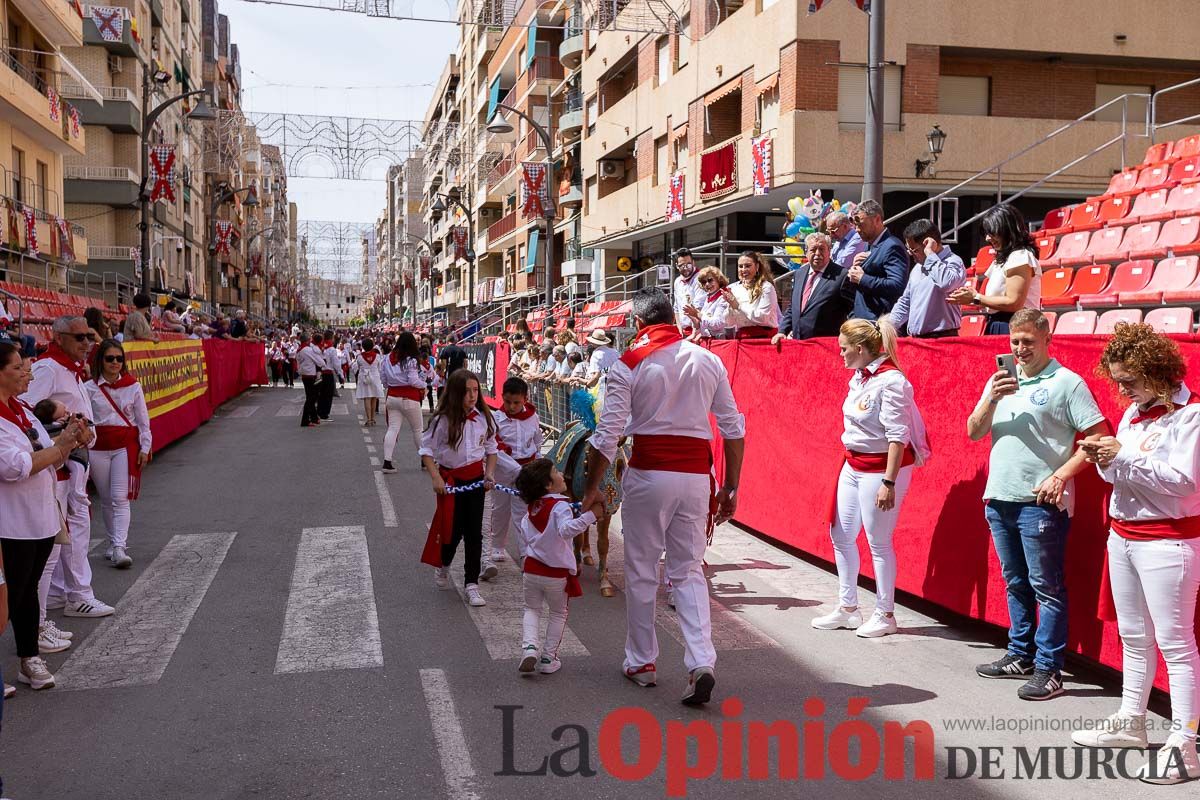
535	190
761	152
460	242
224	236
66	242
110	22
73	115
162	172
31	242
675	198
55	104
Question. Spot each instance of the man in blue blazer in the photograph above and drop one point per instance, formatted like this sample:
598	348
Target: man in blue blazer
881	273
821	295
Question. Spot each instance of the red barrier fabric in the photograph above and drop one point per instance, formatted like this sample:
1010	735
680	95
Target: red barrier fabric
792	398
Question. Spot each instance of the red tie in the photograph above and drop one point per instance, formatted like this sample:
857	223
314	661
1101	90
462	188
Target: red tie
808	288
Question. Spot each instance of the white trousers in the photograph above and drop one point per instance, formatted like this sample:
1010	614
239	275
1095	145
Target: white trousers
502	510
856	511
398	411
110	475
541	589
72	576
60	494
1154	587
666	511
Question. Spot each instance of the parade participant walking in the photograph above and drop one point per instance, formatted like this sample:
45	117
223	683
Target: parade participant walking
368	382
1154	544
123	442
459	448
519	439
661	392
330	369
309	362
291	368
549	572
405	385
276	360
60	375
884	437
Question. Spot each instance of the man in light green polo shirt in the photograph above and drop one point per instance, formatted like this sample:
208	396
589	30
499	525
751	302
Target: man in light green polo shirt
1033	420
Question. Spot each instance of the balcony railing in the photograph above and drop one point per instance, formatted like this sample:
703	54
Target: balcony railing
82	173
105	252
503	226
31	76
499	172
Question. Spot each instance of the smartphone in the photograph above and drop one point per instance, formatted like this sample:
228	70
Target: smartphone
1008	363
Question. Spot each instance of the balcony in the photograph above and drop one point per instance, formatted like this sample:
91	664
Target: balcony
570	121
570	51
120	112
25	105
55	19
125	45
572	197
108	186
543	68
502	227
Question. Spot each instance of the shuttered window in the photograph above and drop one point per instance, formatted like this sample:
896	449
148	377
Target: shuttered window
960	94
852	97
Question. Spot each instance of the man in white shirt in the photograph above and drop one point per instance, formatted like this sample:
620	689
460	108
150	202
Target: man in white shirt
330	368
661	392
686	290
603	356
310	361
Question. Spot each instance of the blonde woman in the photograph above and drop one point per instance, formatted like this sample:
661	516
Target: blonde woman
884	437
753	304
710	319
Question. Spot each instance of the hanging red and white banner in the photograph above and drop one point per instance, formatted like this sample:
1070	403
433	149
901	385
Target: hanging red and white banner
718	171
460	242
162	172
816	5
31	242
66	239
255	264
110	22
426	266
224	236
675	198
73	115
55	104
762	152
535	191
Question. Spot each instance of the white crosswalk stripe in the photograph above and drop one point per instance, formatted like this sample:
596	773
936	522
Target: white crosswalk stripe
339	410
134	646
288	411
331	620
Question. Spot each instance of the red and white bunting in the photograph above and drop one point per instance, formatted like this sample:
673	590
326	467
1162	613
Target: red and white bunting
66	239
535	190
73	115
162	172
55	104
426	267
762	152
224	236
460	242
31	242
675	198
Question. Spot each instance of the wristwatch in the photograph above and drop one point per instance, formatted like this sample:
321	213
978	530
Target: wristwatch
889	484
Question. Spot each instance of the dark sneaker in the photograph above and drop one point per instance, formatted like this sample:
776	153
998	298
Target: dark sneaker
1044	684
700	687
1008	667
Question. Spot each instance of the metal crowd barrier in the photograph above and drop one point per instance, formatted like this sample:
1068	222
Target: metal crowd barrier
553	404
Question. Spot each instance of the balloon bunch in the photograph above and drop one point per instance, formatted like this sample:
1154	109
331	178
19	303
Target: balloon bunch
804	216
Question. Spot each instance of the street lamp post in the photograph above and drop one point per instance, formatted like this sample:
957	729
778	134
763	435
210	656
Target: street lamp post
223	194
271	229
429	250
200	112
439	206
500	125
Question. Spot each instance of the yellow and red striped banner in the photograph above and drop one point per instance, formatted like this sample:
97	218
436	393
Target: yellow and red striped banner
171	373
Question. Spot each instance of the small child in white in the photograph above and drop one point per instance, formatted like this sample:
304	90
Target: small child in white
549	567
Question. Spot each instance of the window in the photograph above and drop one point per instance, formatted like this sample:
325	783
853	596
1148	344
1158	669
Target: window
593	194
660	160
679	155
43	179
768	110
723	118
1134	108
592	112
664	59
685	43
768	3
18	178
852	97
959	94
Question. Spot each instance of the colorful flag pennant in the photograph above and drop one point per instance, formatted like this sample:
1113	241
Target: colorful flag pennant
162	172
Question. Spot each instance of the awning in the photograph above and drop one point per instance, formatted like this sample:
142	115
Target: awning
767	84
724	89
680	132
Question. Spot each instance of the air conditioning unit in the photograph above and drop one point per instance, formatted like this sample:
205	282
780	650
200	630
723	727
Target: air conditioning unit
612	169
115	65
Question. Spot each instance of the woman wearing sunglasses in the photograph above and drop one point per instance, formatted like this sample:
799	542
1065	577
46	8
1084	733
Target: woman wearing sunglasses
122	443
709	320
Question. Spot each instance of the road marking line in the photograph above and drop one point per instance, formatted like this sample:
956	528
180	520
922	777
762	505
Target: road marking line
385	502
331	620
370	448
340	409
286	411
241	412
94	544
134	646
448	733
375	462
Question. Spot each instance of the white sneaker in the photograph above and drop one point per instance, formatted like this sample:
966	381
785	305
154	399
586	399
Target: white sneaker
499	554
1118	730
441	577
57	632
9	690
120	559
548	665
529	658
35	673
488	571
55	603
1176	762
88	608
671	598
474	598
838	618
880	624
48	644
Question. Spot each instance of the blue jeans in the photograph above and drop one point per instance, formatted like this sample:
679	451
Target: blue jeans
1031	541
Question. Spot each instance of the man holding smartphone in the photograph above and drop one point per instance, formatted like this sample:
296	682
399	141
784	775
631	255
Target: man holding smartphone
1033	417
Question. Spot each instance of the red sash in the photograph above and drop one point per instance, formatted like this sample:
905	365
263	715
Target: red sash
535	567
407	392
650	339
877	462
687	454
1150	529
441	530
755	332
122	437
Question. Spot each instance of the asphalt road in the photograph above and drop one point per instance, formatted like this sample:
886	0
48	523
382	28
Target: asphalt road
277	638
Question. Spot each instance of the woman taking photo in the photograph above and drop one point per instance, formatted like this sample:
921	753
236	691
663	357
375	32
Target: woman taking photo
884	437
709	321
1153	545
401	375
753	305
29	514
1014	281
368	385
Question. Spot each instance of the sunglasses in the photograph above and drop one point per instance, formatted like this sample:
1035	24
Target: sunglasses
114	359
79	337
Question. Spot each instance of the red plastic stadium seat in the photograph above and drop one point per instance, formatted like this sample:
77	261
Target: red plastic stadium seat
1154	177
984	259
1125	182
1085	216
1184	199
1109	319
1158	153
1056	219
1151	206
1076	322
1106	245
1051	317
1054	287
1170	320
1187	147
972	325
1171	277
1186	170
1180	236
1115	210
1088	281
1131	276
1141	239
1071	249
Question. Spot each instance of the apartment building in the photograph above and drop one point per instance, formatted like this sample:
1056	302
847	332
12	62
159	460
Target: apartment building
269	256
690	100
399	234
39	130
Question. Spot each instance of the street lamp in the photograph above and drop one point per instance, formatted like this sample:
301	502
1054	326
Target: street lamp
439	206
936	139
201	112
223	194
500	125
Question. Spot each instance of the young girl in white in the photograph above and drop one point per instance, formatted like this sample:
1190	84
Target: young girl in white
405	385
457	450
547	532
368	385
122	446
884	437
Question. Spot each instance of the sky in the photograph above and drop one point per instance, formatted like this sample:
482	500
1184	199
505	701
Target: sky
366	67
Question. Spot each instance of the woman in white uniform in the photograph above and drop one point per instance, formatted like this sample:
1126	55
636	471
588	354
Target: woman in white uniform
753	304
368	385
401	373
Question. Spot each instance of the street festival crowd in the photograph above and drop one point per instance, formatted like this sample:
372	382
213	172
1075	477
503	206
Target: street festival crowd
74	412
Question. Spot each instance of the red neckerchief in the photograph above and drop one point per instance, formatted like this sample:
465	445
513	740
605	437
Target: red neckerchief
1154	412
887	365
712	298
394	357
369	356
474	415
14	412
539	512
525	413
650	339
126	379
59	356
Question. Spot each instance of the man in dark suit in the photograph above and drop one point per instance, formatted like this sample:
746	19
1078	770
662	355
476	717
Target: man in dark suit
881	273
821	295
